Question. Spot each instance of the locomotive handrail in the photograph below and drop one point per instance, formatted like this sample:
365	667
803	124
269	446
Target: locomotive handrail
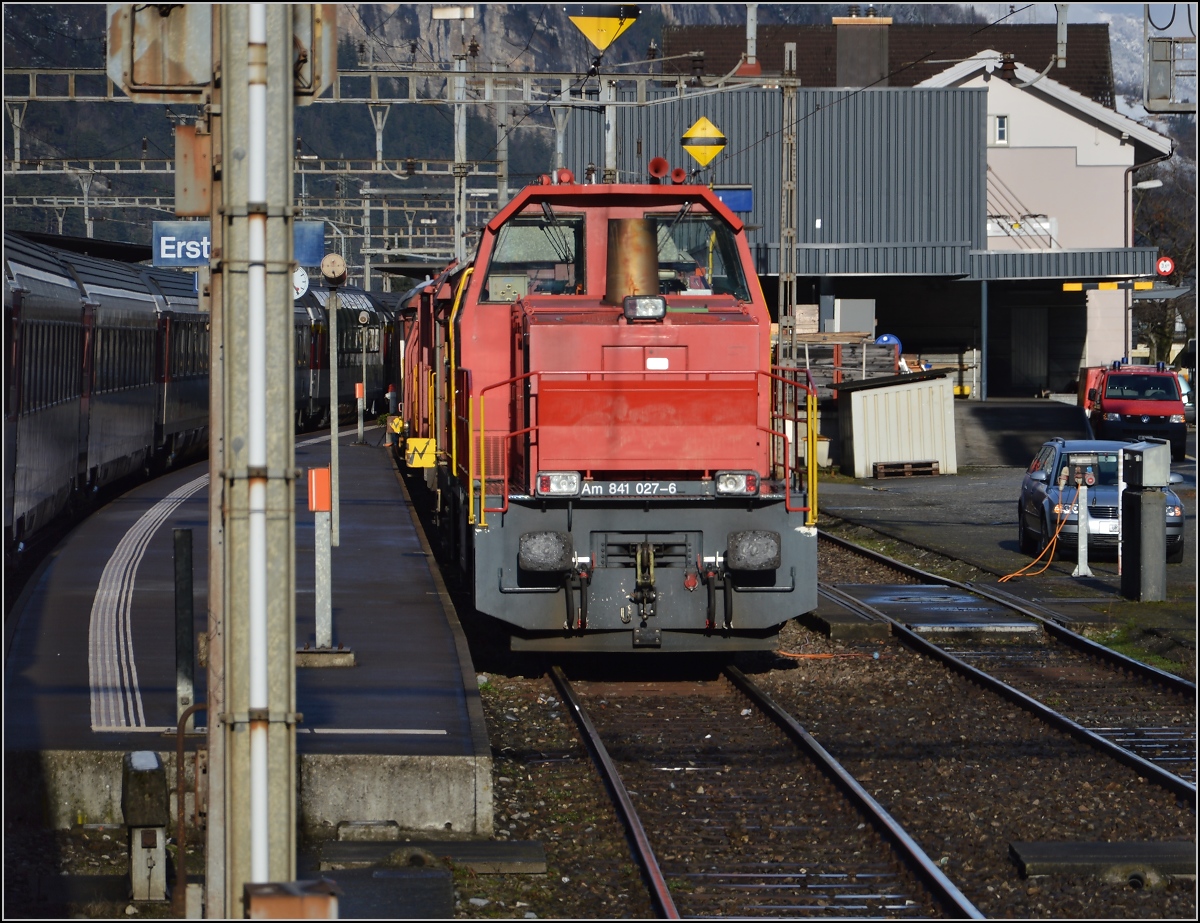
767	589
462	284
787	481
811	431
810	414
469	471
483	484
432	405
483	507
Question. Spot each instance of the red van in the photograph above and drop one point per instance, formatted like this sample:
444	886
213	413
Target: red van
1135	402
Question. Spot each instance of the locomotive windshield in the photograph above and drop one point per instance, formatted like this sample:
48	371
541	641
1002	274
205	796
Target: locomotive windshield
542	255
698	254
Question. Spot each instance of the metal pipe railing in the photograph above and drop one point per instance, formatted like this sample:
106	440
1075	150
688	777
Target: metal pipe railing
462	285
777	413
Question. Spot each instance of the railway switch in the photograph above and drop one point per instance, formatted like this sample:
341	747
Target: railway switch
147	811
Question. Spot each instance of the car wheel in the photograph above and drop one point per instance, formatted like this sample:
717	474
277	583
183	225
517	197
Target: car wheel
1176	556
1023	540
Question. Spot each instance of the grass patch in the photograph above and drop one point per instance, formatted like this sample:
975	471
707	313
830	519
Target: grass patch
1130	640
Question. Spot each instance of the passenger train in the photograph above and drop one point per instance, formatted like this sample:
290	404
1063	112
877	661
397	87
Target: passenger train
615	461
107	375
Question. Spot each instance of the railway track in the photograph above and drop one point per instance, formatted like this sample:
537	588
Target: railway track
1139	714
734	810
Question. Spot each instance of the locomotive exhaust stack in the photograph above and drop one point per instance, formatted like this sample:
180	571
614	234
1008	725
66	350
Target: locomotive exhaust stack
632	259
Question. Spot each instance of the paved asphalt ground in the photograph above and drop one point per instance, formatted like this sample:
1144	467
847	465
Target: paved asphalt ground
971	517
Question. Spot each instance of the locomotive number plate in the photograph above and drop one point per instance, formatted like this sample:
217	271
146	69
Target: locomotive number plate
636	490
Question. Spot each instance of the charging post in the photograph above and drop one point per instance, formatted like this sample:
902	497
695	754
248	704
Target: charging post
1085	476
1147	470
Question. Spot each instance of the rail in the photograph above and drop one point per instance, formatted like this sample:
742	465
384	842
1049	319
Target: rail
783	387
1179	787
934	878
660	892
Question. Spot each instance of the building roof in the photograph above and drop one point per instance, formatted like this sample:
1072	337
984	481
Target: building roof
916	52
989	60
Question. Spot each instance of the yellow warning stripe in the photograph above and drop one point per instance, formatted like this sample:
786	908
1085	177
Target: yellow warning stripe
1107	286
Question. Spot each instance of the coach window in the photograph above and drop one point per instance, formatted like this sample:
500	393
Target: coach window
542	254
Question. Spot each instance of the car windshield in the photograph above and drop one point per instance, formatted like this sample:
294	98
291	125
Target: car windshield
1102	464
1142	388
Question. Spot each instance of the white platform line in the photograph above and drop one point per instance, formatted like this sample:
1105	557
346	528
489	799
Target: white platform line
161	729
419	731
116	699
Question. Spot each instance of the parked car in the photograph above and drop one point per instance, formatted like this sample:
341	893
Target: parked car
1043	504
1135	402
1189	401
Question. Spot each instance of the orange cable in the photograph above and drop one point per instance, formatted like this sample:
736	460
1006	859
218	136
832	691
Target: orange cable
1050	545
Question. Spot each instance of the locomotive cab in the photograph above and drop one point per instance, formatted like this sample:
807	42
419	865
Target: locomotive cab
622	469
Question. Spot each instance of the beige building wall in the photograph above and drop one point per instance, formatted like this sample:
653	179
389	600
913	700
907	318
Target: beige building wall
1058	162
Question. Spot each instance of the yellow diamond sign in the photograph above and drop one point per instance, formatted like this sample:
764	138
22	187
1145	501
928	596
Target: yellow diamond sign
703	141
602	23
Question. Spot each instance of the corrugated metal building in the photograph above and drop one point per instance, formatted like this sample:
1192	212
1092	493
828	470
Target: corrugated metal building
891	205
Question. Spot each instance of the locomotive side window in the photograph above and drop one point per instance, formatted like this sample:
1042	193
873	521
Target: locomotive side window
542	255
698	254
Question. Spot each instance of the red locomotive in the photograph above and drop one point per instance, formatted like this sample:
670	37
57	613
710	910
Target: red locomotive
617	464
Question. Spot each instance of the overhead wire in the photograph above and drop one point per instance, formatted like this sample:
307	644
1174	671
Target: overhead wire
1170	22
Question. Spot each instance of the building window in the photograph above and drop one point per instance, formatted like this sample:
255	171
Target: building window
1000	129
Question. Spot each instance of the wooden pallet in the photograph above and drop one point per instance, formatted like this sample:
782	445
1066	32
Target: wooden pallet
905	469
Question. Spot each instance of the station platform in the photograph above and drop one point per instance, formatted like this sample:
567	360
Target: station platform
90	660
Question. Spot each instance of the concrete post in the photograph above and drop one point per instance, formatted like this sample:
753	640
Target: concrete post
185	626
324	573
258	714
332	308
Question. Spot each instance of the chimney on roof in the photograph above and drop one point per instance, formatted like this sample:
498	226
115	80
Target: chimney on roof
750	66
862	49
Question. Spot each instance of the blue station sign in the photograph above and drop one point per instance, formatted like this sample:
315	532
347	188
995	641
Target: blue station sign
179	244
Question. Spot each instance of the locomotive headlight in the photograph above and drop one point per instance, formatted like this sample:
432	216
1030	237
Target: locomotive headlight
645	307
557	483
737	482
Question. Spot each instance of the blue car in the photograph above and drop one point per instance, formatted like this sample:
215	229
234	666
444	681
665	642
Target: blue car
1043	505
